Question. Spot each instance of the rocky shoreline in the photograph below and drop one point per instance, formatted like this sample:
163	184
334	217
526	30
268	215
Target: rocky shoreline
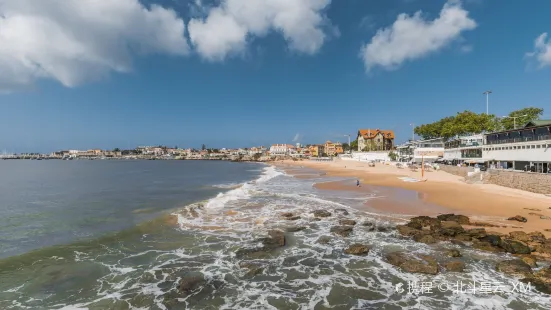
532	250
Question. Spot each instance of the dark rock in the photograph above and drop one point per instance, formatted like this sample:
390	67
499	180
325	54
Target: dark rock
463	237
530	260
343	231
342	211
357	249
515	247
541	280
477	232
191	282
454	253
424	238
536	236
410	263
482	224
455	266
486	246
518	218
461	219
287	214
347	222
519	236
254	269
276	238
368	224
293	218
433	223
494	240
295	228
415	225
382	228
457	242
448	228
544	248
514	267
406	230
324	239
322	213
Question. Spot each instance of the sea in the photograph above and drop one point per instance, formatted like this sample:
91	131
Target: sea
115	234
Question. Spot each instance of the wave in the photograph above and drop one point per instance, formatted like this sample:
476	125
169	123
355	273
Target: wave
228	185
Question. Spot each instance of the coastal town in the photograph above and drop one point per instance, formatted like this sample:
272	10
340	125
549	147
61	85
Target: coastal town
523	148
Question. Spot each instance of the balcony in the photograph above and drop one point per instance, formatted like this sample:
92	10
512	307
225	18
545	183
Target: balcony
471	155
522	139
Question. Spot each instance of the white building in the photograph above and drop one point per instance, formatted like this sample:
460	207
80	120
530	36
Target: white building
405	151
428	150
464	149
526	148
282	149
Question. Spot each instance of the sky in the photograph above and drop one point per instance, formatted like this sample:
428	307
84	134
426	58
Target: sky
81	74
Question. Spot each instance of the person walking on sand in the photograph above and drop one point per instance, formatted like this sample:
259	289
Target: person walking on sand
358	183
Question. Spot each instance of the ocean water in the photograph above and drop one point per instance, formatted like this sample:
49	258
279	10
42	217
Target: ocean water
138	263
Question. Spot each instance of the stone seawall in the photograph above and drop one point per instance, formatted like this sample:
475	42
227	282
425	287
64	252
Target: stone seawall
527	181
460	171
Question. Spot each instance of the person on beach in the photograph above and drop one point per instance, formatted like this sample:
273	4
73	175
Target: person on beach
358	183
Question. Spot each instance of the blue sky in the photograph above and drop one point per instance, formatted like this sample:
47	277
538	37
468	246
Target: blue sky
319	69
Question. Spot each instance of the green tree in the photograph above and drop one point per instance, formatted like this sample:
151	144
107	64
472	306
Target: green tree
521	117
116	149
354	144
393	156
345	147
203	147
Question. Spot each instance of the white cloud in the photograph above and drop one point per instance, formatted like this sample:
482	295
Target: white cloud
74	41
542	51
296	138
413	37
228	28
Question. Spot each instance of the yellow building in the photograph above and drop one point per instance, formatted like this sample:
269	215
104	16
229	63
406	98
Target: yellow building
317	150
333	149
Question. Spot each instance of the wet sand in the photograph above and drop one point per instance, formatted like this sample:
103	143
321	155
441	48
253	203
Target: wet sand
440	193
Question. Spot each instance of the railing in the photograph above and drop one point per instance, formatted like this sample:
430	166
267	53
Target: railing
471	155
524	139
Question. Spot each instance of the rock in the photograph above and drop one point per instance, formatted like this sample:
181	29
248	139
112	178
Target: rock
514	267
357	249
322	213
455	266
536	236
191	282
454	253
293	218
529	260
486	246
476	232
410	263
515	247
295	228
415	225
424	238
324	239
406	230
519	236
544	248
341	211
347	222
433	223
541	280
343	231
381	228
448	228
482	224
254	269
547	229
276	238
494	240
287	214
463	237
457	242
461	219
518	218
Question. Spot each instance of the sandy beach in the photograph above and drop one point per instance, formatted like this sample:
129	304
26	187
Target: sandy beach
442	192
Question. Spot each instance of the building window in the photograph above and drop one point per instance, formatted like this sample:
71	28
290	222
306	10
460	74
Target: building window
539	146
